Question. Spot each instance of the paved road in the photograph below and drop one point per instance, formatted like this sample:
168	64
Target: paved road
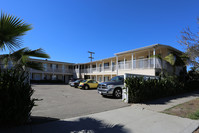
63	101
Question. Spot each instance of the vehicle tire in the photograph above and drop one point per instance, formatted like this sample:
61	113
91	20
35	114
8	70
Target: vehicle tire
117	93
86	87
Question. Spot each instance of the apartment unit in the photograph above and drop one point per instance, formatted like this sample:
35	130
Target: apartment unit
140	61
52	70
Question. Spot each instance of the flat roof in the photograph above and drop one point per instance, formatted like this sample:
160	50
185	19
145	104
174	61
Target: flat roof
147	47
50	61
96	60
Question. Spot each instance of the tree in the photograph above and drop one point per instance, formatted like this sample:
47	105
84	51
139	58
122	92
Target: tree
15	92
191	42
173	59
11	30
21	58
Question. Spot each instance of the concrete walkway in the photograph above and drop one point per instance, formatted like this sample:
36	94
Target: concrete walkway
137	118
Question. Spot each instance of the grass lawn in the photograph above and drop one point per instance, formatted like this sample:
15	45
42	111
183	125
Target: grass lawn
188	110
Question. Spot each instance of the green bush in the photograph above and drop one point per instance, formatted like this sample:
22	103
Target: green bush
141	90
15	97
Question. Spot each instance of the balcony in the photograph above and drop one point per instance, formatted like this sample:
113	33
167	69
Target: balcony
147	63
53	70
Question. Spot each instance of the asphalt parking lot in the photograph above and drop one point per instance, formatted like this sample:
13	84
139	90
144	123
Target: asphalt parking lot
63	101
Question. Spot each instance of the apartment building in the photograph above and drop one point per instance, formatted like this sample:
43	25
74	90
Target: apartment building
140	61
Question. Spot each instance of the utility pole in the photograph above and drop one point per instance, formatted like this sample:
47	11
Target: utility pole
91	55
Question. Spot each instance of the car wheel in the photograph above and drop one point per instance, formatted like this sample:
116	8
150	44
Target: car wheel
86	87
118	93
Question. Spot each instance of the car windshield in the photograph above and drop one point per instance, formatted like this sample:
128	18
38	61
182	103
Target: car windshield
84	81
77	81
117	78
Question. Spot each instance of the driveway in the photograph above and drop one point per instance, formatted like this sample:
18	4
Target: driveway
63	101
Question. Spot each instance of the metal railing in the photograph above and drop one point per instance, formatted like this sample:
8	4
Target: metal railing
147	63
55	70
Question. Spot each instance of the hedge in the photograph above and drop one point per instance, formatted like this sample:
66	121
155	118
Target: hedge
140	89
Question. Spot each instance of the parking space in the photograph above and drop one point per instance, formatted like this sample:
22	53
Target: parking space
63	101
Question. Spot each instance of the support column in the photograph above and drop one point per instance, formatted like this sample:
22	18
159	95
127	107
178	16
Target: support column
117	65
124	63
111	65
132	61
62	68
96	77
96	66
154	61
149	61
78	71
42	77
103	66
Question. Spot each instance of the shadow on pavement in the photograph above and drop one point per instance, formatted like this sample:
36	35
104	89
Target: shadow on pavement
83	125
41	120
168	99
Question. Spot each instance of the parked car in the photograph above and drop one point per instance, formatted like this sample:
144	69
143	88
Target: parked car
87	84
71	82
77	82
112	87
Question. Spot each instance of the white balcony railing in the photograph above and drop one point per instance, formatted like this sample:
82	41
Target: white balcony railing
53	70
147	63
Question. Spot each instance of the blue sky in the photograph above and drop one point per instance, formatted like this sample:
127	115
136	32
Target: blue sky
68	29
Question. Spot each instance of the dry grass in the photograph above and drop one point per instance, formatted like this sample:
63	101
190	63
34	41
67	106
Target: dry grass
188	110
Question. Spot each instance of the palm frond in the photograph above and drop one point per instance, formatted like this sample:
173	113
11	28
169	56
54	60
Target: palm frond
171	59
11	29
22	56
34	65
36	53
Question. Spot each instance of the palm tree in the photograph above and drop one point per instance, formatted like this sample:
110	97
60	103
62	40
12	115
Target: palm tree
176	60
11	29
173	59
21	58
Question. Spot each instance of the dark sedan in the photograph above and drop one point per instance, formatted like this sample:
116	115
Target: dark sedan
76	83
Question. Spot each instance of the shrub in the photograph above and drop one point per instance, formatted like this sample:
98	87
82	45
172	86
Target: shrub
15	97
140	89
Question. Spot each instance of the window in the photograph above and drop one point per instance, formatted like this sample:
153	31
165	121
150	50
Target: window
91	81
106	64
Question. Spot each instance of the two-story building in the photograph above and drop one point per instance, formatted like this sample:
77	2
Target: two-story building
142	61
